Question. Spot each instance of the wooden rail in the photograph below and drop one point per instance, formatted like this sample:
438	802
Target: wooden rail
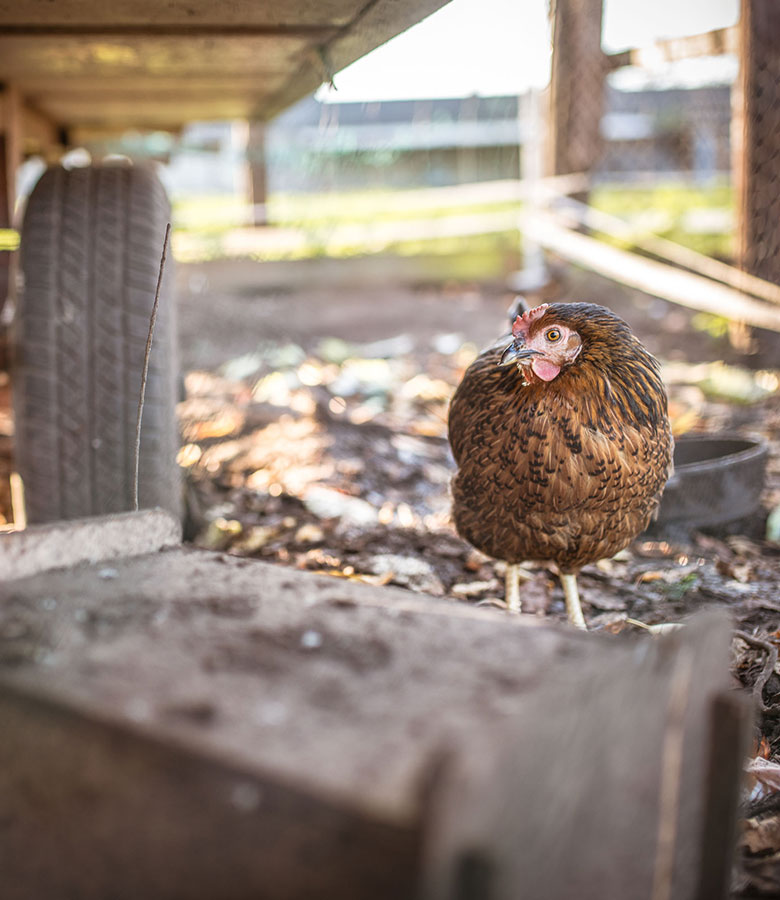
646	275
670	251
710	43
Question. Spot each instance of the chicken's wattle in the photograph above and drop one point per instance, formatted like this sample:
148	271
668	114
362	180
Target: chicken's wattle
545	369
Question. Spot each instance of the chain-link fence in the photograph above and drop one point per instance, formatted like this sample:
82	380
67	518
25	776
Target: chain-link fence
757	144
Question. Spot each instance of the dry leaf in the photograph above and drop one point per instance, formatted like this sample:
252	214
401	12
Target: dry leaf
761	834
763	778
663	628
473	588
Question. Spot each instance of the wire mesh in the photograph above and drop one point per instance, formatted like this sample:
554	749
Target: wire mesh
757	150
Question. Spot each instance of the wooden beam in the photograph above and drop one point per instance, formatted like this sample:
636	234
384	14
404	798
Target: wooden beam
671	251
319	32
710	43
11	135
756	130
31	131
79	135
6	193
655	278
10	157
258	173
40	135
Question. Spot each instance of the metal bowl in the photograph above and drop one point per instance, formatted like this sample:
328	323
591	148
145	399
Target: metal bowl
717	479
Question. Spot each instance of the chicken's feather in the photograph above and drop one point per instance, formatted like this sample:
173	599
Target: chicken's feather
568	471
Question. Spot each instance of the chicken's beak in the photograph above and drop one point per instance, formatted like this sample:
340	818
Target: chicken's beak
519	355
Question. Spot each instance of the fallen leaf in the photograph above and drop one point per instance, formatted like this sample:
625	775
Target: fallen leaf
475	559
327	503
763	778
309	533
256	538
474	588
650	577
743	546
228	422
362	577
741	572
761	835
408	571
220	534
663	628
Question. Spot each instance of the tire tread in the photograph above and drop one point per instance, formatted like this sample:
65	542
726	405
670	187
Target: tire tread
91	243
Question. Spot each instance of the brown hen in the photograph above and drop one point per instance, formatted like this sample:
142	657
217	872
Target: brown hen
562	442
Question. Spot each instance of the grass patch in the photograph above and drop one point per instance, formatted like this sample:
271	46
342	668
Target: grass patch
670	209
9	239
696	216
212	214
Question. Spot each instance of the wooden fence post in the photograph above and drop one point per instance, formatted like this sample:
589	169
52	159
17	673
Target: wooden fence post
258	175
756	140
577	88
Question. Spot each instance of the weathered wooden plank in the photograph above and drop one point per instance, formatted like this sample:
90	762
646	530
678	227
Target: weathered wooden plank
588	794
710	43
191	724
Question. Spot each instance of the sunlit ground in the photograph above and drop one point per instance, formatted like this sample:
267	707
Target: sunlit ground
330	453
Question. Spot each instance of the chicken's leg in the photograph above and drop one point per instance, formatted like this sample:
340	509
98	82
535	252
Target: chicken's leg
573	608
512	595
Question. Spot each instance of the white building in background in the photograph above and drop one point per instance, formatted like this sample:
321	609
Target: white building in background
209	158
316	147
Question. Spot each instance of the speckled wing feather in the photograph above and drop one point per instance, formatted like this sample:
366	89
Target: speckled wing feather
569	471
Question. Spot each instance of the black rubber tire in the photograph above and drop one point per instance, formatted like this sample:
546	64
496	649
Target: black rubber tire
90	255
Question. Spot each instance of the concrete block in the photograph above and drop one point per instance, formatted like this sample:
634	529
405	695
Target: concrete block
60	545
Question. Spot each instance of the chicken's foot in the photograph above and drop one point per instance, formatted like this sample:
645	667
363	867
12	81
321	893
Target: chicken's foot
573	608
512	596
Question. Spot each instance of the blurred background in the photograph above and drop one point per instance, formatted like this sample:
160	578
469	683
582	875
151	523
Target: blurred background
456	101
463	98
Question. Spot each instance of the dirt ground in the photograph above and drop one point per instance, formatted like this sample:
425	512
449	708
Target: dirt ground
315	437
313	418
343	383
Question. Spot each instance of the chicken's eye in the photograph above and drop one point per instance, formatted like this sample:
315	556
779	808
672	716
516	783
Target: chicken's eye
553	335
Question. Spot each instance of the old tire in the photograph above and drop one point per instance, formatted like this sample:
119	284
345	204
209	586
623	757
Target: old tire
90	255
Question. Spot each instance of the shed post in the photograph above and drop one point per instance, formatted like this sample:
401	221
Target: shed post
10	157
756	140
258	174
577	87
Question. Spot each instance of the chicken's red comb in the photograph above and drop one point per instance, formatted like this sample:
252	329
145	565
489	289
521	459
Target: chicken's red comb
522	323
